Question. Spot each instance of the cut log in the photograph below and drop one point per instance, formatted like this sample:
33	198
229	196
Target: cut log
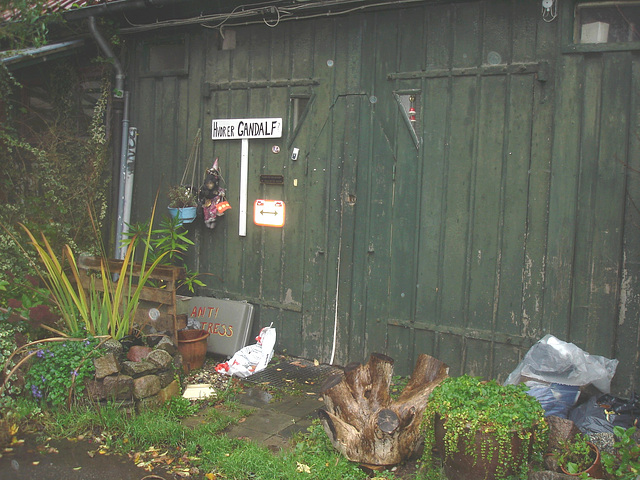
362	421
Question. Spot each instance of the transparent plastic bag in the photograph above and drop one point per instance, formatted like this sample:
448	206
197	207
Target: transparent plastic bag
551	360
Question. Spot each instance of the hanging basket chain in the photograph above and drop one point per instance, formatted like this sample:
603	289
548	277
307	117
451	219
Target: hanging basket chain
190	167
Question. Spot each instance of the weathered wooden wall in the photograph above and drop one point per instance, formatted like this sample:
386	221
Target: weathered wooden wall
513	217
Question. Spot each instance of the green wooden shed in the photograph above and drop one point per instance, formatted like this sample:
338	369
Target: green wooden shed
461	178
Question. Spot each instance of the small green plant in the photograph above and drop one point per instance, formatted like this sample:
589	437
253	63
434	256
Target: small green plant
169	241
466	406
60	369
624	463
181	196
180	407
575	455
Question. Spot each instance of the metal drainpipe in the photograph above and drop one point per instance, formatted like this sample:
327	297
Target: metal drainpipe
118	93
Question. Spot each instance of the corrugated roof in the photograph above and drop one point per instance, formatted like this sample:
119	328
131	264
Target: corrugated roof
55	6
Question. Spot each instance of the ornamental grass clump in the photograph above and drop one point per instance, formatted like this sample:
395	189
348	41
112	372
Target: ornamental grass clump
105	307
467	406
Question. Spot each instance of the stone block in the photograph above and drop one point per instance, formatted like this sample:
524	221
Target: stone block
106	365
160	358
171	390
95	390
167	345
166	377
137	353
118	387
113	346
138	369
148	403
146	386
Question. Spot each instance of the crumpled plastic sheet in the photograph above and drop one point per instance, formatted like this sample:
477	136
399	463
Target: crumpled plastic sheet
552	360
252	358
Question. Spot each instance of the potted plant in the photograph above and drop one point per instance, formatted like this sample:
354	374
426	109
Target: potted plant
579	457
483	430
183	203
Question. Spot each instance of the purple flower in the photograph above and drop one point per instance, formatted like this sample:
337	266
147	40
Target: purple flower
36	392
74	373
40	353
42	378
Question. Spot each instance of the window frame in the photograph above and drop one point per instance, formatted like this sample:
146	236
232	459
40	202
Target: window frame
568	19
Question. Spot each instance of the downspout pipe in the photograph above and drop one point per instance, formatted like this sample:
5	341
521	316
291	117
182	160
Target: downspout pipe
119	92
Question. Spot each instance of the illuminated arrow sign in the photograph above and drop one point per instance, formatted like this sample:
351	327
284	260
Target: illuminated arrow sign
268	213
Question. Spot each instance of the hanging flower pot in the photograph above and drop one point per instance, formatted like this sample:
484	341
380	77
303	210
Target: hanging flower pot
185	214
183	203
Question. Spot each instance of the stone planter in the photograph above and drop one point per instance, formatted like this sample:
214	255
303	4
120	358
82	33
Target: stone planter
142	376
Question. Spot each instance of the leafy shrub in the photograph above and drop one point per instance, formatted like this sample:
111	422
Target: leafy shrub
61	368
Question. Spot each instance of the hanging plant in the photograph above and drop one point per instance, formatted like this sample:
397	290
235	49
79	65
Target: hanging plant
486	427
181	196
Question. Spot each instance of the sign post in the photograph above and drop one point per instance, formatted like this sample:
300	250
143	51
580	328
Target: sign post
244	129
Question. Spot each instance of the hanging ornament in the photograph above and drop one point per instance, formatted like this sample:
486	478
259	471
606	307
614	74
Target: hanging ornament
412	109
212	196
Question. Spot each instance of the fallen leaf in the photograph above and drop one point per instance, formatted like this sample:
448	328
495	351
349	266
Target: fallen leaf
37	462
76	468
211	476
316	362
13	429
303	468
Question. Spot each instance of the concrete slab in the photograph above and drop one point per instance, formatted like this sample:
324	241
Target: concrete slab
296	405
254	397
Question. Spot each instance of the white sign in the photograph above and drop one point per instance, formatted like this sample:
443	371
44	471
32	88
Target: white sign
268	213
241	128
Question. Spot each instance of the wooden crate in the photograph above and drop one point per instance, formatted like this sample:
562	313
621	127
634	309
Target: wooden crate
160	293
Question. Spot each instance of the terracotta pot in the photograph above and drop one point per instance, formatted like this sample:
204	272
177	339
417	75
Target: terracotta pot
192	345
594	471
462	466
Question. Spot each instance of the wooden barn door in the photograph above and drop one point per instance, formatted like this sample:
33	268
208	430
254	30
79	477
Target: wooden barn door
465	226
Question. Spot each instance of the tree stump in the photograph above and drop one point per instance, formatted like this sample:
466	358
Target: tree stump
362	421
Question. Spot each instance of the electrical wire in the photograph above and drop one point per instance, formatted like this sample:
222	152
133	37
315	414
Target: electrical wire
284	14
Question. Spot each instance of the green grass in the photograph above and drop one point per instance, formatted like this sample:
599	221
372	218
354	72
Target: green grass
311	457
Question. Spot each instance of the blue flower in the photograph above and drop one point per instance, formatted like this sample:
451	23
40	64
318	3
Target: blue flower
36	392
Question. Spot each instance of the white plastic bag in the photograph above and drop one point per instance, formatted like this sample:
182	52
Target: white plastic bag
252	358
553	361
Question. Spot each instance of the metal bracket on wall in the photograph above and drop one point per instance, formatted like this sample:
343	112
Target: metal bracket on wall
208	87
